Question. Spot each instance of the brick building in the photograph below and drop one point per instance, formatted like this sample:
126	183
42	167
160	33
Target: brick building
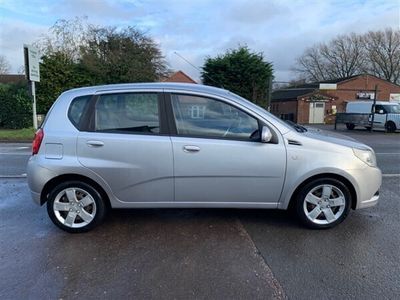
309	104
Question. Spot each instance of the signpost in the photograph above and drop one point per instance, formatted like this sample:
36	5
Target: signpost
31	55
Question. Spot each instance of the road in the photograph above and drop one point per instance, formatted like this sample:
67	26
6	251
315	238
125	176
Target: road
193	253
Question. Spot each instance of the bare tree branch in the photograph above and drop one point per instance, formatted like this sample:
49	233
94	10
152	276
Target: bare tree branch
4	65
383	52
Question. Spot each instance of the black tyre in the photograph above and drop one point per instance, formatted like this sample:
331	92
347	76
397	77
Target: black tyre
323	203
390	126
350	126
75	206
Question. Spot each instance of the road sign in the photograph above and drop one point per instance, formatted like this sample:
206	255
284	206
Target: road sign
32	72
32	63
327	86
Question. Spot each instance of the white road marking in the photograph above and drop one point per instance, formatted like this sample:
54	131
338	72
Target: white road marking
19	148
390	175
388	153
8	153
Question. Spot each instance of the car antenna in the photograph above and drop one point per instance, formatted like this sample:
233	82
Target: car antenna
198	69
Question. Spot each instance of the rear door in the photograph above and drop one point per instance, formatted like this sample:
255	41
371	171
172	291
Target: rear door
218	155
127	145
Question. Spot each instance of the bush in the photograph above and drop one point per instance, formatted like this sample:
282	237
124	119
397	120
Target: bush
15	106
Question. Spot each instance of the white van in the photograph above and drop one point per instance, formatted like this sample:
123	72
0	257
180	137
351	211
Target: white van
386	114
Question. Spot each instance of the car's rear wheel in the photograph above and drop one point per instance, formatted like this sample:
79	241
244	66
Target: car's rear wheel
323	203
350	126
75	206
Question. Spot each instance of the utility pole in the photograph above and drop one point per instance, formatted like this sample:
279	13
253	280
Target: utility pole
269	93
373	108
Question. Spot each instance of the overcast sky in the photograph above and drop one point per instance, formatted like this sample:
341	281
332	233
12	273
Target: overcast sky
197	29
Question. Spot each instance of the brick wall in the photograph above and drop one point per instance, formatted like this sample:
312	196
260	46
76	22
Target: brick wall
284	108
347	91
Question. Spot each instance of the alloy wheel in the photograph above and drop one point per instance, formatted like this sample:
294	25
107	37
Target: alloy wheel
324	204
74	207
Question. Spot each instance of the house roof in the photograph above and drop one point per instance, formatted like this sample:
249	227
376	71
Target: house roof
179	76
12	78
290	93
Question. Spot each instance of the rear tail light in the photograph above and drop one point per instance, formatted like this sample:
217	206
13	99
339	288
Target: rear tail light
37	141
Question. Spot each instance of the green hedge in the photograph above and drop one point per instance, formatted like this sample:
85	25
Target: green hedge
15	106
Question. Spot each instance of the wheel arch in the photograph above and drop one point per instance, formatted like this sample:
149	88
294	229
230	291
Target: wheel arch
72	177
341	178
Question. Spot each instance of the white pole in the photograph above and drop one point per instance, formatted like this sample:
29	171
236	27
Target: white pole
34	105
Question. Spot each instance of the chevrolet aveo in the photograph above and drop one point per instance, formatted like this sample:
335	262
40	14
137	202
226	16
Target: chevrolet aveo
181	145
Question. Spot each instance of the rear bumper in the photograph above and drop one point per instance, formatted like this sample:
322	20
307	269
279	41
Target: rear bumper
37	177
36	197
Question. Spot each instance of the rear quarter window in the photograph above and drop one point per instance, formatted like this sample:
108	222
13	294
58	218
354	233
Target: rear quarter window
77	110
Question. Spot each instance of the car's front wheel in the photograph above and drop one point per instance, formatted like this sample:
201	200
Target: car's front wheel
390	126
323	203
75	206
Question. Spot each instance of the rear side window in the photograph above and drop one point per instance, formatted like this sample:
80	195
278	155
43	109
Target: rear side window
77	109
128	113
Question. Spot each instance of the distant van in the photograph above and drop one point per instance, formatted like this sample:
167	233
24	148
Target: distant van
386	114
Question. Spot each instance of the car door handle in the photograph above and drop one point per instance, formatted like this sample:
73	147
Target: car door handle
95	143
190	149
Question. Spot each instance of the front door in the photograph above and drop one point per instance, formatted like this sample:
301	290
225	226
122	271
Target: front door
127	147
316	113
218	156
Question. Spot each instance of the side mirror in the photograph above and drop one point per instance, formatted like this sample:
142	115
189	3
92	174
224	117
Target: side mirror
266	135
380	111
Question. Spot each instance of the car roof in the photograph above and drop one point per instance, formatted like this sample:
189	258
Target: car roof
150	85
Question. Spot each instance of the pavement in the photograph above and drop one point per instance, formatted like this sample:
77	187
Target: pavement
201	253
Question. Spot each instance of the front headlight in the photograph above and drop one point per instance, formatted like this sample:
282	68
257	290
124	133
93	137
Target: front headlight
366	156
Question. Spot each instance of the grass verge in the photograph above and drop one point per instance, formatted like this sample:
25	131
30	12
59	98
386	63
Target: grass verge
17	135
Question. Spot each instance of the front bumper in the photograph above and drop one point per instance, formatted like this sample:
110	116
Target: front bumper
369	202
367	182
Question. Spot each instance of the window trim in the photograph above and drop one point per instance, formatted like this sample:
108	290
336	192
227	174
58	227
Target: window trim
90	124
172	122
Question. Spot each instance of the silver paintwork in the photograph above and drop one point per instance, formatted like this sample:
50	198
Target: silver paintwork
170	171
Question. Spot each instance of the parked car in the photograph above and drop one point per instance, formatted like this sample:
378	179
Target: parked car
386	114
186	145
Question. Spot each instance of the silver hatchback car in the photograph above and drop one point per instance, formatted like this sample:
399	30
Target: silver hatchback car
158	145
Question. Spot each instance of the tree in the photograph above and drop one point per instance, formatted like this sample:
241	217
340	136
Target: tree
67	37
241	71
126	55
58	73
341	57
76	54
4	65
383	53
376	52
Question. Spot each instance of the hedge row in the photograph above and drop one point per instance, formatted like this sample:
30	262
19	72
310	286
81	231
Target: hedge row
15	106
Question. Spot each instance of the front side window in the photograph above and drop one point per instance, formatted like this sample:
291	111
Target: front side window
379	108
128	113
205	117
